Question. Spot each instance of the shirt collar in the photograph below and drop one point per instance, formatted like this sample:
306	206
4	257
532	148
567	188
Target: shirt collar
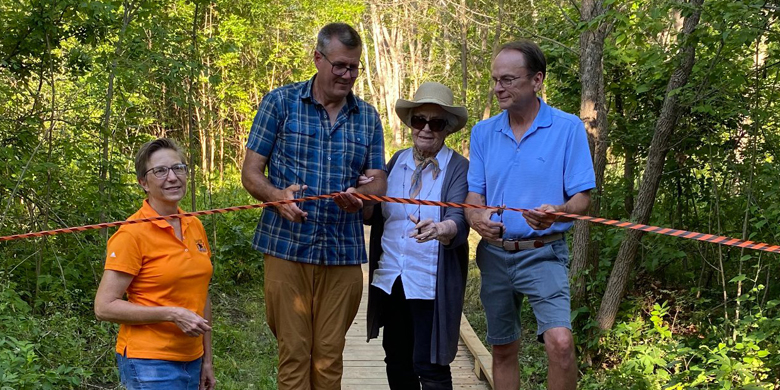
543	120
306	95
148	212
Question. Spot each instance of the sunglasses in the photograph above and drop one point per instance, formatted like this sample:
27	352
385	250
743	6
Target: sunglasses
436	124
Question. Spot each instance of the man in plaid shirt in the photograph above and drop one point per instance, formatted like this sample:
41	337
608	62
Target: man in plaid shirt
314	137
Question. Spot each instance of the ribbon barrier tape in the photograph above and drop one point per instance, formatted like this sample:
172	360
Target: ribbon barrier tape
610	222
160	218
722	240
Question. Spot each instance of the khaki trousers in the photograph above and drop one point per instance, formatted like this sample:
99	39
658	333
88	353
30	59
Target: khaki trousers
309	309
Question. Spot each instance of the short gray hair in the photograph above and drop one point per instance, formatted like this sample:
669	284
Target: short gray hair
147	149
343	32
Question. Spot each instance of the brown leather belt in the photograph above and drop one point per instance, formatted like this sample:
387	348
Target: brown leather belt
530	243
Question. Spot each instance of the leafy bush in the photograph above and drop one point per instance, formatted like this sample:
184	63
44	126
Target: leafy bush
32	353
652	351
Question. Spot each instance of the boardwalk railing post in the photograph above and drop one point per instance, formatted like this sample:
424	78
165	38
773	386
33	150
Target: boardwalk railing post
483	360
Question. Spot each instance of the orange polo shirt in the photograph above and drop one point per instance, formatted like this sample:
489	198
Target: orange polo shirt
167	272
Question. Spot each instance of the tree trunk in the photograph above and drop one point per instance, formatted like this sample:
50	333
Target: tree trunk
496	45
659	146
629	163
203	139
464	51
190	118
628	179
206	91
368	73
221	130
129	8
593	112
464	70
758	63
47	196
394	35
383	61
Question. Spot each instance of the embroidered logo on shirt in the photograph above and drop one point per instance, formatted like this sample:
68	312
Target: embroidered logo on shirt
113	254
201	246
540	159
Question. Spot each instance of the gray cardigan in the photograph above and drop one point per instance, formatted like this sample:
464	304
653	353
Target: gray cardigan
452	266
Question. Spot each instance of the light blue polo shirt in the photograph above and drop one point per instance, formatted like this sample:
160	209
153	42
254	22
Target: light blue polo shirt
550	164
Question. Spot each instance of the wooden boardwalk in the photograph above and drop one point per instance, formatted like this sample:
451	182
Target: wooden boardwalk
364	366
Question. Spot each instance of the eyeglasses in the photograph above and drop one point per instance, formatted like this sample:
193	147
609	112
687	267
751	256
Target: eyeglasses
506	81
340	69
436	124
162	172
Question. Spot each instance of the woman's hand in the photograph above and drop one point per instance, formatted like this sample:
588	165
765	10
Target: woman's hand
109	306
427	230
363	180
207	379
189	322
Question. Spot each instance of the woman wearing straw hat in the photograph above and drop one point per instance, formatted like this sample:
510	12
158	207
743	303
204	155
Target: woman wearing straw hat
418	255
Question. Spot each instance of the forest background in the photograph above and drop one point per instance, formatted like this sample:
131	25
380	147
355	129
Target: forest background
679	100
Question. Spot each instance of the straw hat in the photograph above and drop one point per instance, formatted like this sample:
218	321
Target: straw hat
433	93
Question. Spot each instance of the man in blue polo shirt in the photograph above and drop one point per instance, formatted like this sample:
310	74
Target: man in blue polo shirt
315	137
535	157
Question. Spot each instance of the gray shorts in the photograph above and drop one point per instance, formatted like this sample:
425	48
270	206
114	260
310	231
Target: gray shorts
541	274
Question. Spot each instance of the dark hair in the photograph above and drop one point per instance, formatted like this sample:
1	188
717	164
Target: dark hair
344	32
147	149
534	57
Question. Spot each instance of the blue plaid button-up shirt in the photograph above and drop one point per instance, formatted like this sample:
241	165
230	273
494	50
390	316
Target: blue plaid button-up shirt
293	130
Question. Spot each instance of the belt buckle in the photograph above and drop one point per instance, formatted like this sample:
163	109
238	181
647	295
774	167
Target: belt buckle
538	243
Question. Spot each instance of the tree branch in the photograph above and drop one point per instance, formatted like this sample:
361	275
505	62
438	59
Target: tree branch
565	15
553	41
574	4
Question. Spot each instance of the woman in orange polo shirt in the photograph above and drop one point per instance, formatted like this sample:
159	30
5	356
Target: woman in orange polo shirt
164	267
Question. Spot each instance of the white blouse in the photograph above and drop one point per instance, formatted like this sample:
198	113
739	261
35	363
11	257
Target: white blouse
416	263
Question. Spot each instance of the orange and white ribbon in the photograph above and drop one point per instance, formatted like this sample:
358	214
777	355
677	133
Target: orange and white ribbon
722	240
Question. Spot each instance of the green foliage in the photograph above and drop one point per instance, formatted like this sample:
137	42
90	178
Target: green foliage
41	353
230	235
245	350
21	370
657	348
697	316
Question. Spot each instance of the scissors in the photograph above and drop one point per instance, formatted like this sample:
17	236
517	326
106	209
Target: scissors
419	218
500	213
299	194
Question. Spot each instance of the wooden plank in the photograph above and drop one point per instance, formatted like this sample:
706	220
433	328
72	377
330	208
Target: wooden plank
385	387
364	366
466	365
483	360
458	376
